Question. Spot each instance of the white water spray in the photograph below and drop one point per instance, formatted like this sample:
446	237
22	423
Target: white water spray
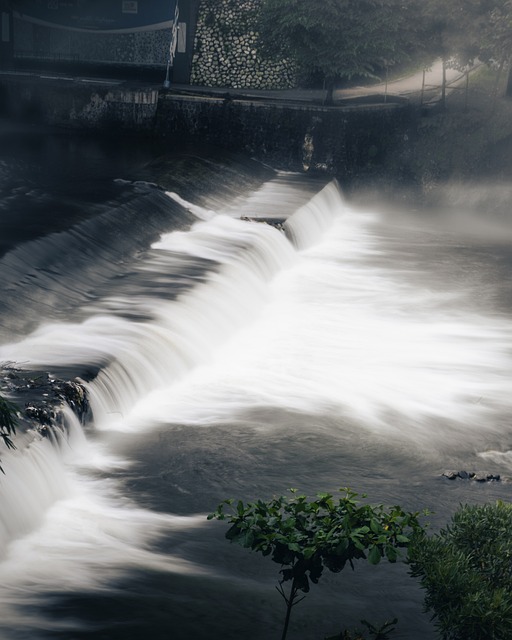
319	326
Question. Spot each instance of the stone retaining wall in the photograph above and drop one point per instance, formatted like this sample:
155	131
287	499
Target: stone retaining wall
226	52
343	141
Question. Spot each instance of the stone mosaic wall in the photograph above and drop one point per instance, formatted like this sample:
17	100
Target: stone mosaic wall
227	53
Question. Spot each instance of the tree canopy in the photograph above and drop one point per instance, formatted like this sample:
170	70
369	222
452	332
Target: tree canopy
466	571
305	536
331	40
335	39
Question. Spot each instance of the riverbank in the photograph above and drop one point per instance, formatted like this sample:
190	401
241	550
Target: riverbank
452	157
375	139
296	133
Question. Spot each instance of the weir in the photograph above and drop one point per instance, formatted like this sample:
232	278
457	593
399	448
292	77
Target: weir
226	357
187	303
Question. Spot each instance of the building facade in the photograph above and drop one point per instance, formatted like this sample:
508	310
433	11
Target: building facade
104	34
210	42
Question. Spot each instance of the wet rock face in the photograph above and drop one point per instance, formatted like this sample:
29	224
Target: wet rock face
40	397
478	476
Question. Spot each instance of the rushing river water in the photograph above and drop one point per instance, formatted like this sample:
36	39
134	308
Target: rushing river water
360	346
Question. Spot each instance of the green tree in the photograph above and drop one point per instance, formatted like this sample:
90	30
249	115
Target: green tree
496	44
451	32
462	31
305	536
339	39
466	571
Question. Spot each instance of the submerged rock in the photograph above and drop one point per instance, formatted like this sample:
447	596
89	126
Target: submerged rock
471	475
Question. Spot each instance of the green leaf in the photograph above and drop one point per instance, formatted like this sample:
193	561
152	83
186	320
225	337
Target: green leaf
374	556
402	539
391	553
302	583
305	536
375	526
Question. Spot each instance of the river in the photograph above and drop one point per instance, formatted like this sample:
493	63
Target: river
361	345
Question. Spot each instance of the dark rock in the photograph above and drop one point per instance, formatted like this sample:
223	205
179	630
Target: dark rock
43	396
41	413
470	475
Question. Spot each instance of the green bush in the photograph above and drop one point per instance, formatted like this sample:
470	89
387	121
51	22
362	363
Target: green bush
305	536
466	571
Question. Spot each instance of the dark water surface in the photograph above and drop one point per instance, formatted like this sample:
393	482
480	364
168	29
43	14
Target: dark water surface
365	347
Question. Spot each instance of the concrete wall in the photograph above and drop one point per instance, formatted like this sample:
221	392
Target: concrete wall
6	35
343	141
76	105
110	38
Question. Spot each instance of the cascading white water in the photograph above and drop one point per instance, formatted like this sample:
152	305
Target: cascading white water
62	529
370	342
340	336
53	514
315	322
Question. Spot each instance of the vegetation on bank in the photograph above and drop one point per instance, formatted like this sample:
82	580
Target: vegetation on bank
332	40
343	39
274	43
470	140
307	536
465	569
471	137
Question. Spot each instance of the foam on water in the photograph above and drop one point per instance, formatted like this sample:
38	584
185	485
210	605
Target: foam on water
62	529
340	335
309	321
137	357
313	328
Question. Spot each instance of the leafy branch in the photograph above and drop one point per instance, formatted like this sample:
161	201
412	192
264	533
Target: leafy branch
305	536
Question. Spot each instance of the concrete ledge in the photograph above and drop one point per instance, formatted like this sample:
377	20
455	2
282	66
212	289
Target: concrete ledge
297	134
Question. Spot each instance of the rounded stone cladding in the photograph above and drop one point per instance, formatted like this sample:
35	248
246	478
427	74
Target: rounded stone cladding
227	51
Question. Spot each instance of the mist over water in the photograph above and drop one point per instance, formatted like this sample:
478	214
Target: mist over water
223	357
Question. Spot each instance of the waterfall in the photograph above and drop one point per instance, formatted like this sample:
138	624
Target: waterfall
224	356
197	288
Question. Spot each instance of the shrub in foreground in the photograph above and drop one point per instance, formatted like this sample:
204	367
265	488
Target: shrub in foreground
466	571
305	536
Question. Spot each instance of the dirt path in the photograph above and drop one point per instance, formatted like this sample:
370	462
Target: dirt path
408	85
